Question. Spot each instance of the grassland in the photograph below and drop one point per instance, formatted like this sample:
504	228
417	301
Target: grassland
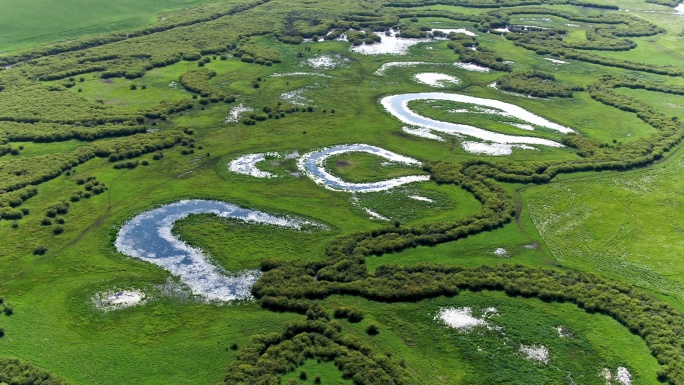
625	226
24	25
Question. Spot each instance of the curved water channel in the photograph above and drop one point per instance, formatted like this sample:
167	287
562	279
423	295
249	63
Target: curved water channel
148	237
397	105
312	164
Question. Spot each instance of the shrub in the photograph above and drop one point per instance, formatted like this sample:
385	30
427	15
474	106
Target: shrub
46	221
58	230
40	250
372	330
303	375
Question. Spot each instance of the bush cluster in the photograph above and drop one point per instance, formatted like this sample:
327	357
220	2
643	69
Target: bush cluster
535	83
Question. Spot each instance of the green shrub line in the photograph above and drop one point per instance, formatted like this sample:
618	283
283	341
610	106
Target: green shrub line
56	114
33	171
294	288
604	36
462	46
497	4
535	83
196	16
197	81
266	358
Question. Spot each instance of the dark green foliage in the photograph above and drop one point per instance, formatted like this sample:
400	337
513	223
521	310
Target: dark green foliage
56	114
7	213
16	372
130	164
40	250
253	53
22	172
463	44
267	357
352	314
537	84
16	198
372	330
198	81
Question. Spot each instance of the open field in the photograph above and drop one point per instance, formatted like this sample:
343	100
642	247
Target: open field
607	224
572	238
26	24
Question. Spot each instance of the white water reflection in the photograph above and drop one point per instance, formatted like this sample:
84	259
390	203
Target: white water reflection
312	164
397	105
148	237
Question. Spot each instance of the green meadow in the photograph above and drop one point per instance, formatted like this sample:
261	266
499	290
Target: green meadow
128	126
27	24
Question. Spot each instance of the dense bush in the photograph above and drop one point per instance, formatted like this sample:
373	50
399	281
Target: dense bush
16	372
267	357
535	83
23	172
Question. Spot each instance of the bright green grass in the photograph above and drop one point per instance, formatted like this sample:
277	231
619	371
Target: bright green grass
237	246
649	50
37	149
672	105
26	23
169	341
118	93
363	168
328	372
437	354
626	226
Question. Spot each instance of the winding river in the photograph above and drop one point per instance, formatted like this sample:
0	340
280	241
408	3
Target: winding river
312	164
148	237
397	105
